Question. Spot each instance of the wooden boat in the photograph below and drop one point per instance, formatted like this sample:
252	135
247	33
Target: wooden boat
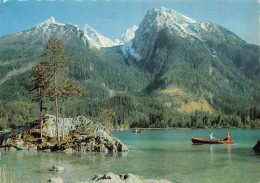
137	131
206	141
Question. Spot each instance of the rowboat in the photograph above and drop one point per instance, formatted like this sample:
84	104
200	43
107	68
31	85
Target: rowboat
206	141
137	131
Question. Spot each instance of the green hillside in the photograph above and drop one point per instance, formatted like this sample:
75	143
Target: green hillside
228	81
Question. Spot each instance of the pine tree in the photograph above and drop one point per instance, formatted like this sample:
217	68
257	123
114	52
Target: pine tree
69	89
57	65
38	86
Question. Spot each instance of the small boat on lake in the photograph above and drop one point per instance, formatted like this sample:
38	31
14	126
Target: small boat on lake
206	141
137	131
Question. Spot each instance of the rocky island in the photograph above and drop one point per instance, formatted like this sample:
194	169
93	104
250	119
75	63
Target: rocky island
80	134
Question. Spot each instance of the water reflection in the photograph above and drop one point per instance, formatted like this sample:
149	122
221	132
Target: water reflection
211	149
229	149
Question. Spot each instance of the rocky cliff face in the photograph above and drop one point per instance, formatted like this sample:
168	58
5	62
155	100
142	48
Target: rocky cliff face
80	134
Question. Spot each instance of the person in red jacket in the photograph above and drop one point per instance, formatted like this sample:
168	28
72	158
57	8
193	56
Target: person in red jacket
227	137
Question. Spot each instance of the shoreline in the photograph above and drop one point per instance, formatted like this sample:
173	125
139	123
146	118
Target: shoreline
185	128
177	128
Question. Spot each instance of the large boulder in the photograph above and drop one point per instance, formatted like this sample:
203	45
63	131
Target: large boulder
257	146
80	134
56	168
124	178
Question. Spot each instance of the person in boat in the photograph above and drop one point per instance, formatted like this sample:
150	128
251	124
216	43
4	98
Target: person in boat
227	137
210	136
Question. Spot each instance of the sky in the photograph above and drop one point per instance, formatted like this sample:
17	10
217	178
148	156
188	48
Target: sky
111	18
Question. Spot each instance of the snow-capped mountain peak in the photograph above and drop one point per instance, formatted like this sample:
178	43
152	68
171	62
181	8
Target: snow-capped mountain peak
169	18
48	22
177	16
129	35
96	39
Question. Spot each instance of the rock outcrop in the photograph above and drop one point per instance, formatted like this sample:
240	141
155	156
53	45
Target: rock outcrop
124	178
56	169
257	146
80	134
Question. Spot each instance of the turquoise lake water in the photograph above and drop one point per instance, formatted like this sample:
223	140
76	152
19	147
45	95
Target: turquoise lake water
158	154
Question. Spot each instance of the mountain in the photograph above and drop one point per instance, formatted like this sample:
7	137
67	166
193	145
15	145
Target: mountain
184	64
193	64
103	71
42	32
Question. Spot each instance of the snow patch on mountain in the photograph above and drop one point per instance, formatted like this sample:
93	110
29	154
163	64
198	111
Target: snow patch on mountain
128	50
117	42
203	26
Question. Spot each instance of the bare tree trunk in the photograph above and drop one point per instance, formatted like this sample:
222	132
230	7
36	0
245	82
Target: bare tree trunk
41	117
56	104
63	118
57	122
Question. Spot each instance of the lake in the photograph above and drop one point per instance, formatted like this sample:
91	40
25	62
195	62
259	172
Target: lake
158	154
